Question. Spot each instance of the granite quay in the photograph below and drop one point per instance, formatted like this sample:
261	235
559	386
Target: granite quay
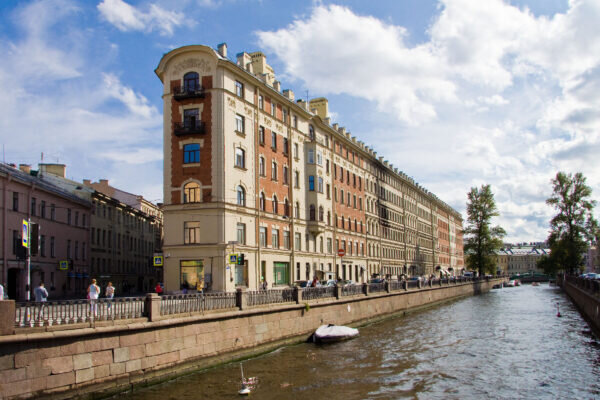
585	293
179	334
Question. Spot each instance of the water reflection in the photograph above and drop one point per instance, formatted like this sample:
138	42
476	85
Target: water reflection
504	344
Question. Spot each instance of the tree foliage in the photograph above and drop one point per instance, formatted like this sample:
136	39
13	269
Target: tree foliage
481	239
573	227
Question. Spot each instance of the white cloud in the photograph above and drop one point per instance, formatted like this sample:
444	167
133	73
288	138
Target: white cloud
136	103
128	18
497	95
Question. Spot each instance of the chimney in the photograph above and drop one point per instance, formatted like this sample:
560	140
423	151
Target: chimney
277	86
335	126
301	103
321	105
327	120
342	130
243	59
87	182
25	168
59	170
288	94
222	49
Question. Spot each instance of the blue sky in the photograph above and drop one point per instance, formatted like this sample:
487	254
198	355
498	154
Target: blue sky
455	93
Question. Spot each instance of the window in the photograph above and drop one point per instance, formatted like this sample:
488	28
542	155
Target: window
295	121
328	217
285	175
321	248
191	193
286	240
261	166
328	191
15	206
52	247
261	102
327	166
262	201
191	153
297	241
191	232
69	248
274	171
321	214
354	201
273	108
341	196
296	150
274	140
77	250
239	123
311	183
241	233
52	212
76	218
311	157
239	89
275	238
320	185
241	196
285	115
68	216
43	245
190	82
285	146
286	208
190	119
33	207
319	158
262	236
275	208
240	158
312	212
296	179
311	132
329	246
297	210
261	135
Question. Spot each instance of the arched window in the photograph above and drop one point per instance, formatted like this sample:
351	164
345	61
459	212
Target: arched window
274	204
191	193
241	196
190	82
312	212
286	208
262	201
321	214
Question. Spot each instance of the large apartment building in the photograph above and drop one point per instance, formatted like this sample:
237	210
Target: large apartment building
249	170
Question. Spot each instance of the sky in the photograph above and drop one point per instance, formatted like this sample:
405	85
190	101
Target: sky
455	93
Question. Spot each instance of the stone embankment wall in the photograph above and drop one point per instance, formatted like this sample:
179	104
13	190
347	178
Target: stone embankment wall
108	359
586	300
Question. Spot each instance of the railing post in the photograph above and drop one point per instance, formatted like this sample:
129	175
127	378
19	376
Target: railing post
153	306
298	294
366	289
388	287
7	317
338	291
405	285
241	300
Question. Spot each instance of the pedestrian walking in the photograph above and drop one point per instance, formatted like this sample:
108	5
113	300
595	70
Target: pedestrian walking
41	296
1	292
110	294
93	291
158	289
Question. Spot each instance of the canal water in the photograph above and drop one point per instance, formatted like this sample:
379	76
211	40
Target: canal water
504	344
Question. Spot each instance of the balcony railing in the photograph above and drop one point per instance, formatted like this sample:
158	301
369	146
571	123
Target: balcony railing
188	128
182	92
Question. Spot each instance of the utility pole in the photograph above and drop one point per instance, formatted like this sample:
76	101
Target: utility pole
25	243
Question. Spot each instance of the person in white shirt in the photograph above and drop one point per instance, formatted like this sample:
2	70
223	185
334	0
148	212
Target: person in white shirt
1	292
93	293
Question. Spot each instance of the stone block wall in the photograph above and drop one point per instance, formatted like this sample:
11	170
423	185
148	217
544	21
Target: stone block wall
587	303
70	363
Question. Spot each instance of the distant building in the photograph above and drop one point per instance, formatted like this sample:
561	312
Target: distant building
523	258
62	261
123	238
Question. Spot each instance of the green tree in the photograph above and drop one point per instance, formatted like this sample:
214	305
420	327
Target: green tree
573	227
482	240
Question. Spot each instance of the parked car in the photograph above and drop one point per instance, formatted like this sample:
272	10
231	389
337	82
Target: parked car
302	284
330	282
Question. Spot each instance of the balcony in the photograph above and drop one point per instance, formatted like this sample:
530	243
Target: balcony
183	92
188	128
316	227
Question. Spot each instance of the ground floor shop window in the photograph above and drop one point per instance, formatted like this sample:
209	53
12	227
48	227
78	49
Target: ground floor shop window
192	274
280	273
241	275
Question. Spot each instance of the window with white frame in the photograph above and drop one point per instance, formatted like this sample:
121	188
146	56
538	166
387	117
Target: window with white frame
262	236
296	179
261	135
239	89
274	171
310	157
241	233
275	238
240	157
295	150
262	201
239	123
241	196
191	193
297	210
261	102
297	241
285	175
320	187
191	232
261	166
319	158
286	240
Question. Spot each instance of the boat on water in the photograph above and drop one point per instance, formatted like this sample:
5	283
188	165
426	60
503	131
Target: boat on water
510	284
248	384
535	284
333	333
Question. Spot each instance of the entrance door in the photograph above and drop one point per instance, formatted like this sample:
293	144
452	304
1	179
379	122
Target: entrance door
13	280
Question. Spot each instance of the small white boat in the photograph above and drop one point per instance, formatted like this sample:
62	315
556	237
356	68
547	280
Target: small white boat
247	383
333	333
510	284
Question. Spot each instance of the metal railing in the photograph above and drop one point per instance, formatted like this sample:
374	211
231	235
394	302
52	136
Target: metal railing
273	296
197	302
313	293
351	290
376	287
412	284
396	285
590	285
63	312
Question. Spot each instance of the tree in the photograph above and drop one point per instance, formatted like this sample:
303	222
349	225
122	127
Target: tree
482	240
573	227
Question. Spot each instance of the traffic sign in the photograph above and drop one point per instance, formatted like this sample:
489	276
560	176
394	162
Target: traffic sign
158	261
63	265
25	236
233	258
341	252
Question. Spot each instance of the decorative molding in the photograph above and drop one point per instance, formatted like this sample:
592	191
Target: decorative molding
268	122
231	102
197	64
279	128
248	111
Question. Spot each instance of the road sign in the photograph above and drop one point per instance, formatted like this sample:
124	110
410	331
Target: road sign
63	265
233	258
25	236
341	252
158	261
